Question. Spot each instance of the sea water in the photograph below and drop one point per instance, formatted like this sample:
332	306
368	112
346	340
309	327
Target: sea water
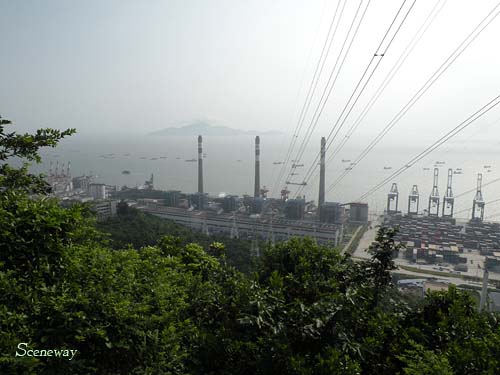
229	168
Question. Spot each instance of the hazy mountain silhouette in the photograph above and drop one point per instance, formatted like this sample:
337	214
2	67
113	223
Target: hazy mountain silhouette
205	128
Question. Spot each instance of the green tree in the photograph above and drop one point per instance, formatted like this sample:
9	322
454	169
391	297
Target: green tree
25	146
170	306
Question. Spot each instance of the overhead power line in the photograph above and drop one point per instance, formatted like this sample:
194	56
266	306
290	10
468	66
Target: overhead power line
301	85
329	87
453	132
312	86
474	189
432	79
380	52
388	78
470	209
395	68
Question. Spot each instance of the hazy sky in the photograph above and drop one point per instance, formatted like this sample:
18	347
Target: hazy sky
138	66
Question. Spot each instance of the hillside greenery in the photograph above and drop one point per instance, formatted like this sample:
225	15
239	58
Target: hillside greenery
138	229
181	308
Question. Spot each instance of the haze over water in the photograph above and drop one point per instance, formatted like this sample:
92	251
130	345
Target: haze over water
229	167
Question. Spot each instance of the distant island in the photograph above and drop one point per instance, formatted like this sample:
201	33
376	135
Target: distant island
204	128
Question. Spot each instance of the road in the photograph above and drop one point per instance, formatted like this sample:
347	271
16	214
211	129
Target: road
366	240
352	238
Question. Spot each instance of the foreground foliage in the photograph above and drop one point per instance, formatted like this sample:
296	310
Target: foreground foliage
138	229
180	308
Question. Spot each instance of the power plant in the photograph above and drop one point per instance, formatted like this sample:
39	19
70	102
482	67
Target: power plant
431	235
277	218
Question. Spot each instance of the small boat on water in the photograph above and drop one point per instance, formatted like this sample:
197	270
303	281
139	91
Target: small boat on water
487	166
190	160
387	167
143	157
277	162
163	157
440	162
153	159
177	158
126	172
346	160
426	169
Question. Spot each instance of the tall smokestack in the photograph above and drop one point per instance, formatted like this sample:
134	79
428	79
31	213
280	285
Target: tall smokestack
257	167
200	164
321	198
68	170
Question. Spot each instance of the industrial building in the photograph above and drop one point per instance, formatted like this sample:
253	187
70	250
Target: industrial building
230	203
81	183
172	198
294	209
104	209
331	212
60	181
260	226
358	212
97	191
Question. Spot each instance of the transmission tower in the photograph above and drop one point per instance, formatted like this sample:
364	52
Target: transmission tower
204	228
270	236
254	247
234	229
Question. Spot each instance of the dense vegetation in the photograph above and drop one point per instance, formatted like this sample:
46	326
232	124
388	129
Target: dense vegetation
176	308
133	227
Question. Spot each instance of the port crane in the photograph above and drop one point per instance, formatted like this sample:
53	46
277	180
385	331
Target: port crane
478	202
393	196
434	196
448	200
413	201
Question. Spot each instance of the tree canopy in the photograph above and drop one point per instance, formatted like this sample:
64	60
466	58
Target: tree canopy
174	307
